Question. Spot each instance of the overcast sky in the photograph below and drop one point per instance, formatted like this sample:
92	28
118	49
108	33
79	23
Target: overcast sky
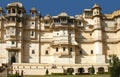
72	7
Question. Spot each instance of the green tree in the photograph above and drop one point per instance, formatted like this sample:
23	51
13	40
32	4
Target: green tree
92	70
115	66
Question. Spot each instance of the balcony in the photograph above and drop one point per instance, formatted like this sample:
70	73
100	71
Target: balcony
10	24
57	25
12	47
62	41
46	39
113	40
84	39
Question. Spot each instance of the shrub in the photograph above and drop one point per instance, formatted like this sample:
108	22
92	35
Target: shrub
92	70
15	75
58	74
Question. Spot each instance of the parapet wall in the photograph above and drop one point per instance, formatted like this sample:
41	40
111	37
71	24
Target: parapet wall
40	69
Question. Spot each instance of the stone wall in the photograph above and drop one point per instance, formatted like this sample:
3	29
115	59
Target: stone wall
40	69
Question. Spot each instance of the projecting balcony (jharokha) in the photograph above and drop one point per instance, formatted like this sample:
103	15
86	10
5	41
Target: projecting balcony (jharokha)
88	39
114	40
59	42
12	47
10	24
66	54
84	39
67	25
46	40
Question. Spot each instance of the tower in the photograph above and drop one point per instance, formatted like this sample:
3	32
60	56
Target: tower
98	34
14	30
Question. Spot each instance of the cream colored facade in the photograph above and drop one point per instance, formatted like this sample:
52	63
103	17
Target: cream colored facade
88	38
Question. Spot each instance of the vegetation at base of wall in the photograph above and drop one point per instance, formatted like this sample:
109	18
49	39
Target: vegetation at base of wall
92	70
103	73
82	73
58	73
15	75
115	66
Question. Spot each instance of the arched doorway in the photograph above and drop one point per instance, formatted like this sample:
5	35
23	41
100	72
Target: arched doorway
70	71
13	59
101	70
80	70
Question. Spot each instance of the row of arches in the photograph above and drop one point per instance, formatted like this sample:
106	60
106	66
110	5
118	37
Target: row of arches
82	70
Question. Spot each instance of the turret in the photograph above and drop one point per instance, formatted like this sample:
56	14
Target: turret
33	12
98	44
96	15
96	10
1	11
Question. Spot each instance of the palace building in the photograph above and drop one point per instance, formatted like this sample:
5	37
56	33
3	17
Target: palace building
62	40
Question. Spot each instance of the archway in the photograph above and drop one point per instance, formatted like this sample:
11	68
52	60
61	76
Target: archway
70	71
101	70
13	59
80	70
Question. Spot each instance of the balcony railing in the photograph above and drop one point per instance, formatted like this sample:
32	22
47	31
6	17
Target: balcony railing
10	24
84	39
46	39
112	40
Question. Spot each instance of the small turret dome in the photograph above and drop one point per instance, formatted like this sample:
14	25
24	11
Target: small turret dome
96	6
33	9
1	8
63	14
47	17
79	17
15	4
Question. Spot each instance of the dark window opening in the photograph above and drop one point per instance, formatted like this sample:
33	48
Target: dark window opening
56	20
71	49
79	23
56	49
57	33
13	42
46	22
64	48
70	21
19	11
91	51
13	59
32	34
13	10
81	52
33	51
46	52
63	19
32	23
13	18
